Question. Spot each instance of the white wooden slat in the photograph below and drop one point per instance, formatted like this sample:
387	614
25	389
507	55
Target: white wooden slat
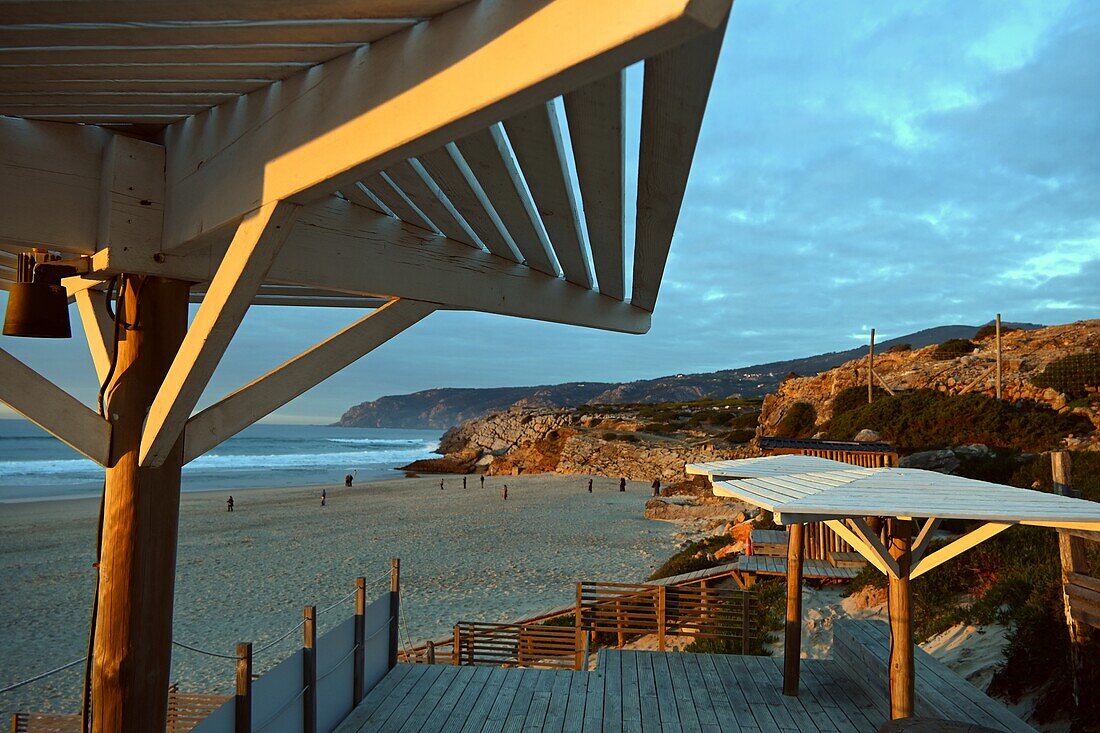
261	397
408	179
268	71
53	409
9	100
385	192
957	547
175	33
239	277
596	115
674	97
94	109
335	124
483	154
539	147
207	54
360	196
99	329
443	169
767	466
124	86
123	11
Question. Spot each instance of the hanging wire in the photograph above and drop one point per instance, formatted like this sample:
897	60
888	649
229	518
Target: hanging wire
204	651
37	677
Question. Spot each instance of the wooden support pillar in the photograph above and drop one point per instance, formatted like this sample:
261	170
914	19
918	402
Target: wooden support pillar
871	369
900	603
792	641
309	670
1071	552
133	637
456	647
242	713
395	609
661	609
998	356
358	684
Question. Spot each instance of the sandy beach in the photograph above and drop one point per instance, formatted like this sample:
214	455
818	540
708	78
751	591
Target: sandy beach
245	576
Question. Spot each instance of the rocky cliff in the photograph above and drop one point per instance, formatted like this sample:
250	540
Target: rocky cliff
1026	354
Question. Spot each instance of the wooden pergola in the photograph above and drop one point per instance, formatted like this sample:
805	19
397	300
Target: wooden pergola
849	500
398	156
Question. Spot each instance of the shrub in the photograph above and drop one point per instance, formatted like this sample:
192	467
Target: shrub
953	349
799	421
696	556
989	330
853	398
745	420
740	435
899	348
925	419
1071	374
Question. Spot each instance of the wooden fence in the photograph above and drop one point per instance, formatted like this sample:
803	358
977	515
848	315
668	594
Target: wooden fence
516	645
184	713
634	609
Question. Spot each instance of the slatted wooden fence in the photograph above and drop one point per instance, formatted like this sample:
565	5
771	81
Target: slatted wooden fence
634	609
1083	593
516	645
185	710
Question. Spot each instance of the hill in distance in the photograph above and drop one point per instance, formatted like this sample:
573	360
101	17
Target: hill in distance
446	407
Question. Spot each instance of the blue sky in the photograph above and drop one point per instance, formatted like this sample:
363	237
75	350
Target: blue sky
896	165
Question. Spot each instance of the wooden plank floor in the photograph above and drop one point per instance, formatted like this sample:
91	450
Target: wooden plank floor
630	692
769	565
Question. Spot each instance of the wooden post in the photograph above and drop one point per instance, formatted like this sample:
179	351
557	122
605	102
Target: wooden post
792	641
242	713
309	670
746	615
358	682
661	597
998	356
133	638
900	603
456	649
395	608
871	369
1071	552
430	651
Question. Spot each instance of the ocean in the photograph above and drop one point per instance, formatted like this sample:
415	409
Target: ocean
35	466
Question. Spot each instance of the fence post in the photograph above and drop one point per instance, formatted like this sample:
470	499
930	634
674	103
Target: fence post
578	622
456	650
242	707
998	356
430	651
746	597
661	596
358	684
309	670
1071	552
871	369
395	608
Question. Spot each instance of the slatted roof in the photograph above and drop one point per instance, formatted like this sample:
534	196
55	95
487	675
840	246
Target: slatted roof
808	490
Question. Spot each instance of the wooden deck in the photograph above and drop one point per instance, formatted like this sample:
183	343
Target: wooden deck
768	565
629	691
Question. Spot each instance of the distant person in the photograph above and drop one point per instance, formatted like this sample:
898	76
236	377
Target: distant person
229	504
656	487
504	492
483	481
464	482
589	486
622	484
348	479
441	484
324	497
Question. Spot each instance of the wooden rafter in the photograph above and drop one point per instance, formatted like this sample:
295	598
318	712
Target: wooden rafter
959	546
98	329
53	409
924	538
408	93
860	545
266	394
239	277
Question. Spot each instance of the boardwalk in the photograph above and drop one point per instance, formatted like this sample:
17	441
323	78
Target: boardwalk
629	691
818	569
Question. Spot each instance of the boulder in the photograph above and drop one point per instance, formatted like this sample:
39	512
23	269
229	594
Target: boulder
942	461
974	450
867	436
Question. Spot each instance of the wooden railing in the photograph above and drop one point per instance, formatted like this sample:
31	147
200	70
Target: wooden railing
184	713
1083	594
519	645
634	609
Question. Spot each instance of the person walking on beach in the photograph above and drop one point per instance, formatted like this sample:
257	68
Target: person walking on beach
622	484
347	480
441	484
229	504
656	487
483	481
464	482
504	492
589	486
324	497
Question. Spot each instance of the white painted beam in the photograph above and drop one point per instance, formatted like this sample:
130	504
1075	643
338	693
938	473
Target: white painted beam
98	328
674	97
859	545
240	275
410	92
53	409
956	548
263	396
924	538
